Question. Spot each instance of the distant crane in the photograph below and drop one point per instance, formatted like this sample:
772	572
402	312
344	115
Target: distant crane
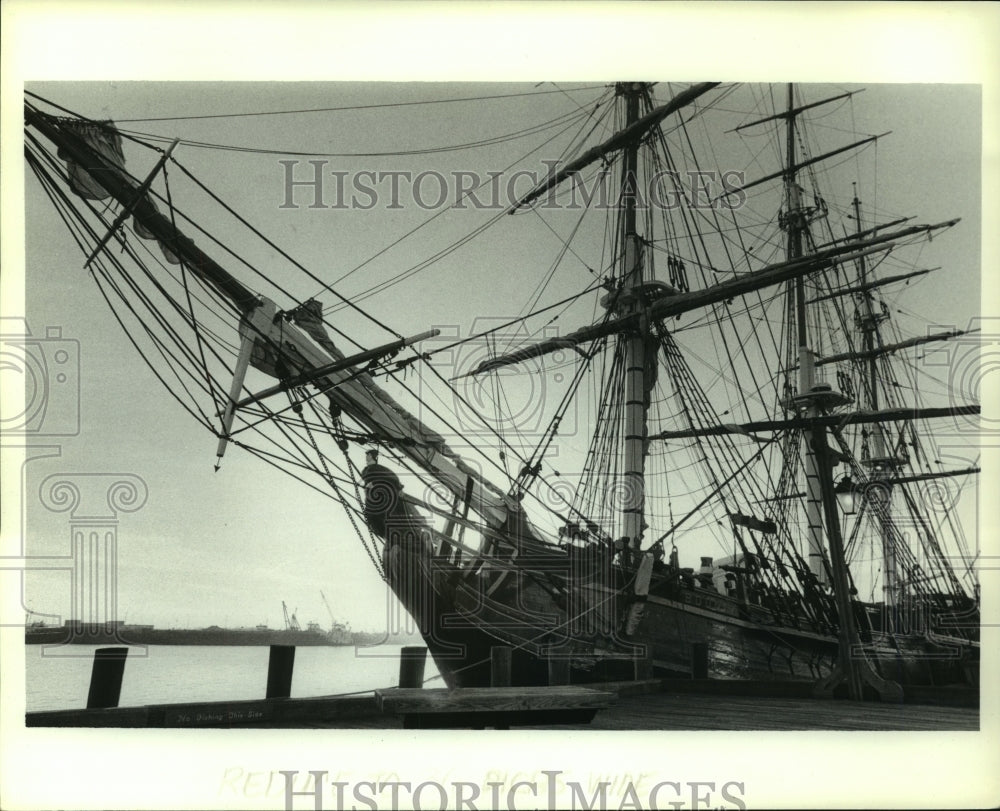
333	621
334	625
291	622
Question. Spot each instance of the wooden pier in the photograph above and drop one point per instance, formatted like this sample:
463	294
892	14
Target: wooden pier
644	704
675	710
497	707
659	708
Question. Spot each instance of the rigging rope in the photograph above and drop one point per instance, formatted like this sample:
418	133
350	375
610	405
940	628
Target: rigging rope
293	396
353	107
499	139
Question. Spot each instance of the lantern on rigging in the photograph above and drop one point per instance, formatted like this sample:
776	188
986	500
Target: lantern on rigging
846	494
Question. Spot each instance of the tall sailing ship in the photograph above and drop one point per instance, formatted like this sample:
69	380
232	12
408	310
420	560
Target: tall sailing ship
780	467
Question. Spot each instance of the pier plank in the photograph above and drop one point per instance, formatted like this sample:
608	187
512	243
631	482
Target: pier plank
324	711
649	705
665	711
494	699
500	707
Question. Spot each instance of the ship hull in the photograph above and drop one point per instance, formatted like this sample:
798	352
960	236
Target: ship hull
571	614
463	613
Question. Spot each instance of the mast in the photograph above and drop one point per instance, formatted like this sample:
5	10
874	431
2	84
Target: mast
881	464
795	226
812	401
635	359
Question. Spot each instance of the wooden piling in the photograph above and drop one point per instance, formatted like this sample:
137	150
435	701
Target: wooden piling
500	661
106	678
642	664
279	671
412	659
558	669
699	660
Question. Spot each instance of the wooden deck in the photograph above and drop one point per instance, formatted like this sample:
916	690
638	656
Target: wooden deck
499	707
690	711
646	705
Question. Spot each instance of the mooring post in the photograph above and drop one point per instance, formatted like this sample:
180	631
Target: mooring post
106	677
412	659
279	671
500	660
642	664
699	660
558	668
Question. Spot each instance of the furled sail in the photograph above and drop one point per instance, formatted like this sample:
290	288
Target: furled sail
629	134
281	349
105	140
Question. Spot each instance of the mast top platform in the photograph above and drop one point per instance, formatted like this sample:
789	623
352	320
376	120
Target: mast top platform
639	296
884	464
822	395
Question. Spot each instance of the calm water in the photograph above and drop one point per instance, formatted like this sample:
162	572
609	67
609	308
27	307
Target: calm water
58	677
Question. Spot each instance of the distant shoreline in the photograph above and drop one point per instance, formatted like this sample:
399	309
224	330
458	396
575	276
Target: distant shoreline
148	635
